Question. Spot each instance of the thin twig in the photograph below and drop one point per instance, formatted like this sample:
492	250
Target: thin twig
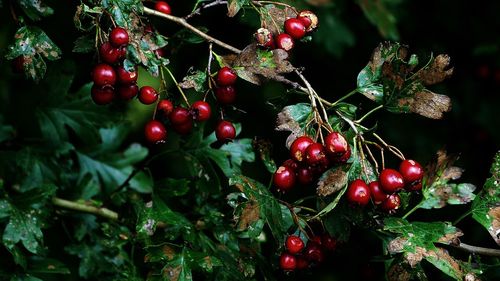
103	212
477	250
205	6
178	86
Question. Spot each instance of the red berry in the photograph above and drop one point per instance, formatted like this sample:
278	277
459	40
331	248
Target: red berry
295	28
123	52
162	52
336	144
102	94
225	131
291	164
201	111
313	253
166	107
18	65
284	178
118	37
148	95
377	194
391	203
316	155
305	176
288	262
103	74
411	171
180	115
309	20
328	242
128	92
298	148
109	54
163	7
264	38
391	181
284	41
294	244
155	131
225	95
302	263
183	128
414	186
226	76
125	77
343	159
316	239
358	193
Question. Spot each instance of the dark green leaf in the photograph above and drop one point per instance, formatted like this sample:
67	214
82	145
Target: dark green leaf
195	80
334	35
35	9
263	148
39	265
186	35
84	44
379	15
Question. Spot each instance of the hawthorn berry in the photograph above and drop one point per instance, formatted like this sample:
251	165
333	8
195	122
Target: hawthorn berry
200	110
118	37
284	41
225	131
298	148
109	54
225	95
103	74
148	95
102	94
302	263
180	115
336	144
264	38
288	262
284	178
358	193
294	244
316	155
411	171
291	164
163	7
128	92
17	65
126	77
226	76
342	159
305	175
295	28
314	253
328	242
391	181
309	20
377	194
391	203
183	128
165	106
155	131
414	186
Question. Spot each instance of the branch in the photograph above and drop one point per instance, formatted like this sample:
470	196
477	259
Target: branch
103	212
477	250
195	30
211	4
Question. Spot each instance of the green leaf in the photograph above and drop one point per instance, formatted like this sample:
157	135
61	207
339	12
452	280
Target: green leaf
84	44
35	9
293	118
334	35
187	36
179	269
485	207
24	277
121	10
39	265
172	187
263	148
234	6
6	131
378	14
196	80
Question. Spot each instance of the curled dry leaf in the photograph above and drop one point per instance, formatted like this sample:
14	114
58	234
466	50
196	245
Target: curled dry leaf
427	104
273	18
249	215
494	229
331	181
437	71
398	272
441	168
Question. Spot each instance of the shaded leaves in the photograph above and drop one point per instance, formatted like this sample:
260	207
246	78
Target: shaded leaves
35	9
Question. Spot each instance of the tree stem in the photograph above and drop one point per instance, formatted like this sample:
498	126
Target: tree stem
103	212
477	250
412	210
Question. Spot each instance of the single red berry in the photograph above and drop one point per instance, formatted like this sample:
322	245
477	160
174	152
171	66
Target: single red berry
225	95
302	263
343	159
295	28
163	7
314	253
180	115
358	193
162	52
414	186
125	77
298	148
290	163
391	181
391	203
377	194
102	94
264	38
118	37
148	95
226	76
288	262
103	74
183	128
225	131
309	20
411	171
305	176
316	239
18	65
294	244
155	131
109	54
316	155
123	52
148	28
336	144
328	242
128	92
200	110
166	107
284	41
284	178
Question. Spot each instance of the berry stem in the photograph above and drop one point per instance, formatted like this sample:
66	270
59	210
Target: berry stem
178	86
344	97
368	114
391	148
370	154
103	212
412	210
462	217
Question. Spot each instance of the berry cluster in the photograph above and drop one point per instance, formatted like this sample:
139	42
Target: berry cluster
310	159
295	29
384	191
299	256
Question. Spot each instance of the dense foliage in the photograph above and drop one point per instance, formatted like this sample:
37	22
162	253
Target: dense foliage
91	188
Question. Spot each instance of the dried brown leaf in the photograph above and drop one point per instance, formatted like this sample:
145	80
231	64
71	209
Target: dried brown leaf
331	182
398	272
451	238
437	71
494	229
427	104
249	215
286	122
274	17
441	168
396	245
172	273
